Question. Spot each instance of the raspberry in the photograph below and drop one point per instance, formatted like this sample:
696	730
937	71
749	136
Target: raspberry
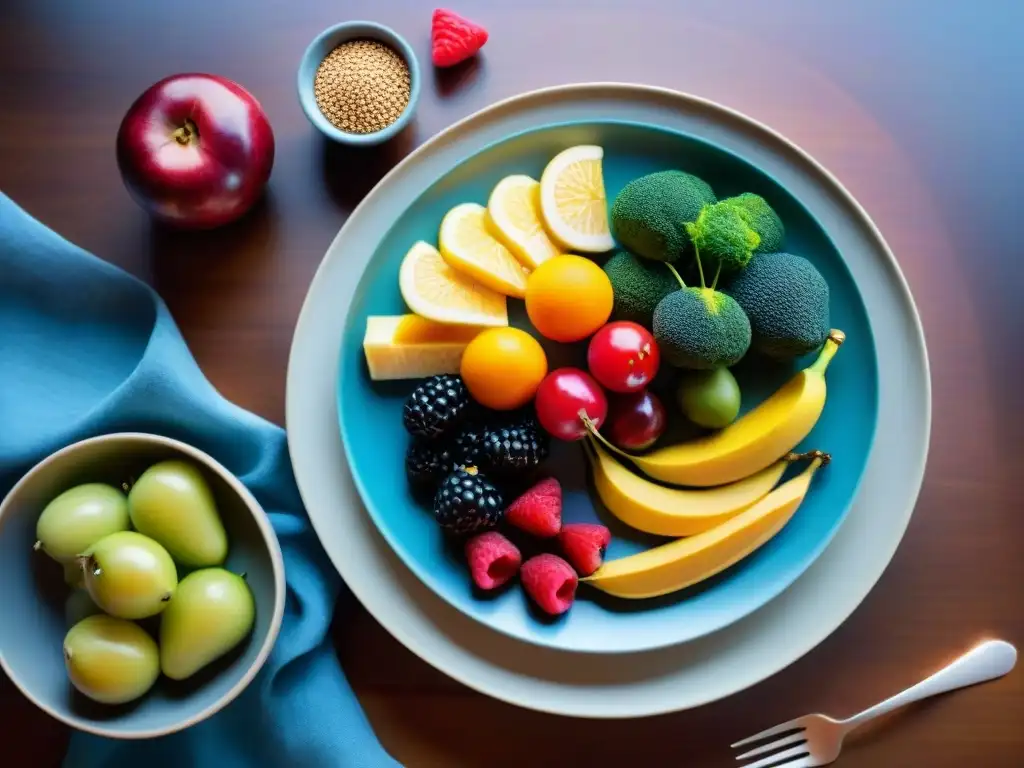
550	581
584	545
454	39
539	510
493	559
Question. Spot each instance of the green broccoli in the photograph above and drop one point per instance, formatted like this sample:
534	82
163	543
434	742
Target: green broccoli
650	214
700	328
762	219
638	285
787	301
722	238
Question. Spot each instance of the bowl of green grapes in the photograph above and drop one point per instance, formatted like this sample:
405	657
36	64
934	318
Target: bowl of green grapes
143	585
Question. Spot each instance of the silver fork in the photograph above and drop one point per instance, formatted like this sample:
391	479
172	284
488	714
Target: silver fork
819	738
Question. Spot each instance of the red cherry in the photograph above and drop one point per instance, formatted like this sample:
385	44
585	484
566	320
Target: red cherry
635	421
562	395
623	356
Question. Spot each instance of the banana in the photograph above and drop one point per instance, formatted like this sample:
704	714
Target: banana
751	443
683	562
654	508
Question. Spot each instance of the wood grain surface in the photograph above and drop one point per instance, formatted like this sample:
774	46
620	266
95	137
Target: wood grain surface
916	106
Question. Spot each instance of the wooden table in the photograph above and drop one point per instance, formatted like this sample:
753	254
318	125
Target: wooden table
916	106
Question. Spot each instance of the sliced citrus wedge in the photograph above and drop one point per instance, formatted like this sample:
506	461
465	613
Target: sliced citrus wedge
572	200
514	211
435	291
469	247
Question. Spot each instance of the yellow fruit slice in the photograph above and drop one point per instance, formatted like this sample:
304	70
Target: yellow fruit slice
514	211
683	562
432	289
411	347
654	508
572	200
469	247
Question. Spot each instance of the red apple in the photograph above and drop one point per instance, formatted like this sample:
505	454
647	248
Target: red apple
195	150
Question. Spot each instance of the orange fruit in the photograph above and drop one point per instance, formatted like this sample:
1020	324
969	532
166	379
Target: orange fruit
502	368
568	298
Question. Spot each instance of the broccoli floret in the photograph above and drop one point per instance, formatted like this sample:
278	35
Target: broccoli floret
762	219
649	215
722	239
638	285
787	301
700	328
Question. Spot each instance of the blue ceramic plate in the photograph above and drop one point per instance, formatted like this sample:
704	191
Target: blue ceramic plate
375	441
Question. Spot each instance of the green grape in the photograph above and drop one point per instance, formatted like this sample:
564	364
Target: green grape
110	660
129	575
211	613
172	503
80	517
710	398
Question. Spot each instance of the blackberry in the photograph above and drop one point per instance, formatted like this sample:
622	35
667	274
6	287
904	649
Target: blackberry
436	407
466	502
466	446
427	463
514	450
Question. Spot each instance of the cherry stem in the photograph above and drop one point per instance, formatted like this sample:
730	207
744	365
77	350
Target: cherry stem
589	424
676	274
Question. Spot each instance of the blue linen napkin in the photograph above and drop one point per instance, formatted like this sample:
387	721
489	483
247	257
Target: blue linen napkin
86	349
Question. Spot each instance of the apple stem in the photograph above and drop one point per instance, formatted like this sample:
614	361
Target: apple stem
186	134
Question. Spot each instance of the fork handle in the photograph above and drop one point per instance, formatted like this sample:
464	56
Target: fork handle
987	661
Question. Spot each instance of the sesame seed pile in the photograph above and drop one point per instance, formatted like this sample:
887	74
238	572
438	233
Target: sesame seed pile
362	86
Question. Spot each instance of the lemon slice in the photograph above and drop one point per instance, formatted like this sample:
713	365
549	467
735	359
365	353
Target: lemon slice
573	202
435	291
514	211
468	246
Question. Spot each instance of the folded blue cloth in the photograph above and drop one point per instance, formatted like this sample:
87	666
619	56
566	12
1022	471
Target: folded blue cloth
86	349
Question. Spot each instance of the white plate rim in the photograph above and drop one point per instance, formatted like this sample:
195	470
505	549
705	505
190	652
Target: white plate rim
451	654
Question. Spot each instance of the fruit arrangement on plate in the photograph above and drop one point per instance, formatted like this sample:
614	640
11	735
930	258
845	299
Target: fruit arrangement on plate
668	287
131	617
